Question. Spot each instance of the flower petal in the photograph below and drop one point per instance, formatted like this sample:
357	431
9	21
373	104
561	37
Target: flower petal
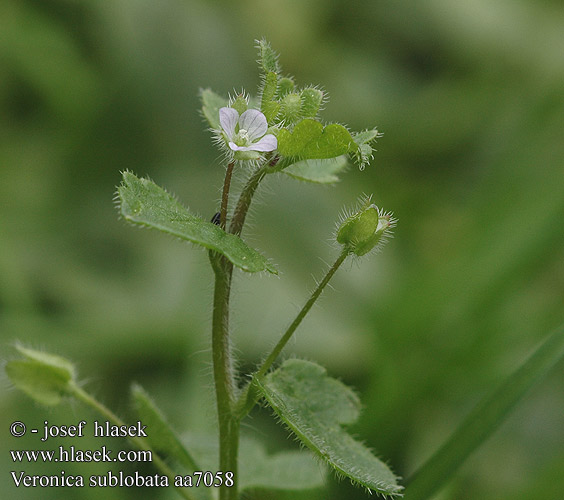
267	143
228	118
254	122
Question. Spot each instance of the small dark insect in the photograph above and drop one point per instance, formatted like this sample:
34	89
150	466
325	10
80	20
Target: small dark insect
216	219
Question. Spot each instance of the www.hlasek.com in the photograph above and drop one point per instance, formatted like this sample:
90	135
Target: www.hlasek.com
111	479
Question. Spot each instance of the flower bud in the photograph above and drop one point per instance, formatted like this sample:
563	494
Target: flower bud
285	86
311	102
366	229
290	107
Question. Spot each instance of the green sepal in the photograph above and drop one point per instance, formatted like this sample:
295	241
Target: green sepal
268	58
311	102
143	202
318	171
47	378
315	407
310	140
161	437
240	104
359	227
268	105
211	102
367	228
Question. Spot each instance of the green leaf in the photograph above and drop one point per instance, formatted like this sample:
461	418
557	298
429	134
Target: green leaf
320	171
366	136
283	471
211	102
286	471
143	202
44	377
310	140
315	406
161	437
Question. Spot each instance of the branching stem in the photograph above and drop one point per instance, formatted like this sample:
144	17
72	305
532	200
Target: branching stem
224	375
301	315
248	397
245	198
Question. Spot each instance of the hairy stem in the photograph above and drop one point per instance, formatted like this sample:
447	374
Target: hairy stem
301	315
248	398
138	442
224	379
245	199
225	195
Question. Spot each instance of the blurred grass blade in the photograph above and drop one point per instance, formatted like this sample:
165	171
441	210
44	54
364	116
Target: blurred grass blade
143	202
315	407
162	438
484	420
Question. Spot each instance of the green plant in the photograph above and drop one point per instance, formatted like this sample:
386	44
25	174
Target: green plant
277	132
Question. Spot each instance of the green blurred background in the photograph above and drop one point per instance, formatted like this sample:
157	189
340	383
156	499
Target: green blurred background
470	98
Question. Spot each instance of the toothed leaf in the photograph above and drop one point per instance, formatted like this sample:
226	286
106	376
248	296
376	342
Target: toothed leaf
315	407
143	202
319	171
366	136
286	471
310	140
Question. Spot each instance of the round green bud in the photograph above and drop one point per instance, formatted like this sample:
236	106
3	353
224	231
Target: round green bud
364	230
290	107
311	102
285	86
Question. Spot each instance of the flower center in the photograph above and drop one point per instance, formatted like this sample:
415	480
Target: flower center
242	138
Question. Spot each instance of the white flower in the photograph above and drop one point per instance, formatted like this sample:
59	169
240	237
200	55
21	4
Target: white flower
246	132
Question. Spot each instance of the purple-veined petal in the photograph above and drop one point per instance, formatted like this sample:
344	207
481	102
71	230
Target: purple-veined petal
267	143
254	122
228	118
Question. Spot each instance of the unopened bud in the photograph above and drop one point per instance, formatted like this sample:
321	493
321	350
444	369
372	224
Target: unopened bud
366	229
290	108
311	102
